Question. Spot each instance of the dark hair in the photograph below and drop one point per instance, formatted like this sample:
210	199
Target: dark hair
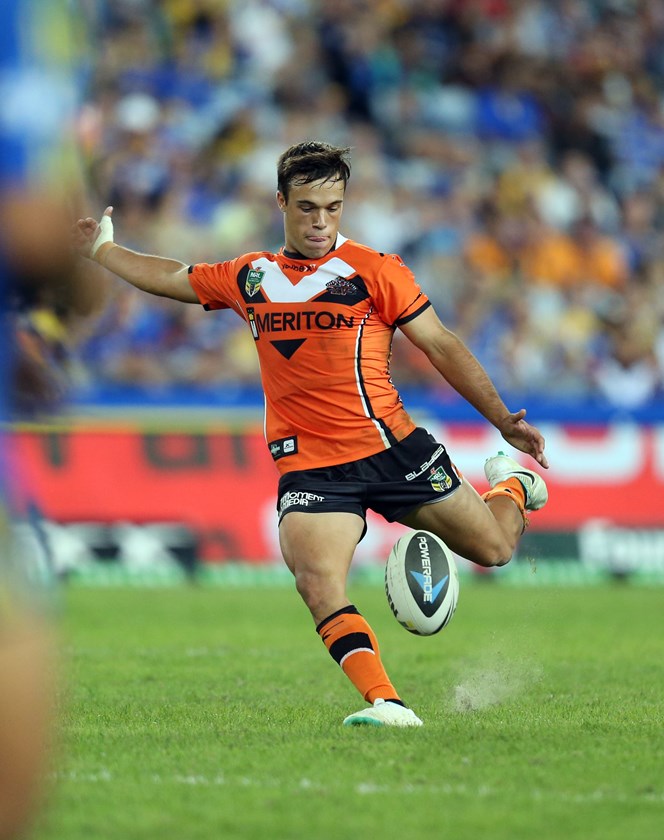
312	161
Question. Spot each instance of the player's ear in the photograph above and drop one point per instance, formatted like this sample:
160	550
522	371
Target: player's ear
281	201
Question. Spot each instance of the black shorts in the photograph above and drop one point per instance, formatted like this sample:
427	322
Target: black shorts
394	482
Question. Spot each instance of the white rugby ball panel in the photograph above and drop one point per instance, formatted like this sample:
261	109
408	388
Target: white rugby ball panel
422	583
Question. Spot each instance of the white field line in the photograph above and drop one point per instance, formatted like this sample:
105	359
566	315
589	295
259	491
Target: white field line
104	776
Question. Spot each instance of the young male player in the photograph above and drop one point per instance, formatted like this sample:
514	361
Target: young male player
323	312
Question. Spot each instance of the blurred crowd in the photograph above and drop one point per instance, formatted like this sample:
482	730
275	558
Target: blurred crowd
511	151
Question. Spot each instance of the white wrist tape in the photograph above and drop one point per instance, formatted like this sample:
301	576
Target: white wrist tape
105	234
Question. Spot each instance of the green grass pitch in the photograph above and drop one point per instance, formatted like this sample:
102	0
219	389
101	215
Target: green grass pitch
192	713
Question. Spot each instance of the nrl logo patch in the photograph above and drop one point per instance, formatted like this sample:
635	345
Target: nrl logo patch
253	282
440	480
340	286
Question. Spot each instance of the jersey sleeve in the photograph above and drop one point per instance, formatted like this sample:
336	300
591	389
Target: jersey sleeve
398	296
214	284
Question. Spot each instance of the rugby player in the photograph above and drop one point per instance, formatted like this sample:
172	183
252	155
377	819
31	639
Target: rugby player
323	312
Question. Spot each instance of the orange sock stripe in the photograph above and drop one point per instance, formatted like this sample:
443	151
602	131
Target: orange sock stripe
510	489
353	645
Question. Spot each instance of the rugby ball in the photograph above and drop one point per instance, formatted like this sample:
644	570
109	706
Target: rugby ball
421	583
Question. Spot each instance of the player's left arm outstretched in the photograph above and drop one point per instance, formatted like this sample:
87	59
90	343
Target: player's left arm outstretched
156	275
458	366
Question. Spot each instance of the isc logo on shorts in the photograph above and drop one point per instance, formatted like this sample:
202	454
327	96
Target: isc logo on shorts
425	466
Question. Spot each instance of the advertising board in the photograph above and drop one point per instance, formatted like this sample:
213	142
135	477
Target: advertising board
222	484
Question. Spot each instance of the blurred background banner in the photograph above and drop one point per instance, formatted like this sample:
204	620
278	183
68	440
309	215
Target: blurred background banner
607	480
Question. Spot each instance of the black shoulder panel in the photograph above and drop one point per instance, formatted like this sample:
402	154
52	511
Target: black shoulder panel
344	290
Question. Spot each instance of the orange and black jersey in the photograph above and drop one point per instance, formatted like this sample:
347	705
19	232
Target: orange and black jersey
323	330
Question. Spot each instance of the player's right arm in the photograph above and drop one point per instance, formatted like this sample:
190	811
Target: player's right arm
157	275
455	362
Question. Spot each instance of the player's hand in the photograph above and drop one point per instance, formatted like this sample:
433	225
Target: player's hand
523	436
92	238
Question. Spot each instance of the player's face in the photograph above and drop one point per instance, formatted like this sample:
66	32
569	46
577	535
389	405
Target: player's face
311	216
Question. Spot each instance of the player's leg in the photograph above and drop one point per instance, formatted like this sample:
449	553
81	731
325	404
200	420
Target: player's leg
318	548
484	532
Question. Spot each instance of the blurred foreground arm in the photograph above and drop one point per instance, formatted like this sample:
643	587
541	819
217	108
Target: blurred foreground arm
156	275
26	659
458	366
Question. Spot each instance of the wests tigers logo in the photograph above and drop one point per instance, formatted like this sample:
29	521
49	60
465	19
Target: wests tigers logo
340	286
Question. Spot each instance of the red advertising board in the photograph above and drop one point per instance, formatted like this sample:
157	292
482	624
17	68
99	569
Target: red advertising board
223	484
